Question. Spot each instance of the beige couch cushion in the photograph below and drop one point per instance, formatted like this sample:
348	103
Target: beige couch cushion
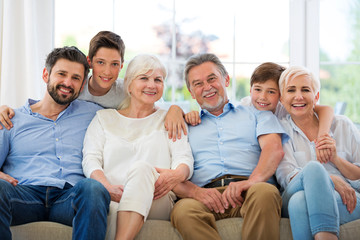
229	229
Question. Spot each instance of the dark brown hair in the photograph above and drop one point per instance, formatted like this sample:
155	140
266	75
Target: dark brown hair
267	71
72	54
106	39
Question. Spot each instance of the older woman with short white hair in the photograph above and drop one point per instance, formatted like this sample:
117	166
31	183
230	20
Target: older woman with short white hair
317	197
128	151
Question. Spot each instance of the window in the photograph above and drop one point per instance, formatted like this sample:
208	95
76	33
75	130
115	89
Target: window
242	33
340	55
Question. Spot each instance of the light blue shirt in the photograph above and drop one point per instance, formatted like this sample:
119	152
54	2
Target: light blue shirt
41	151
228	144
299	150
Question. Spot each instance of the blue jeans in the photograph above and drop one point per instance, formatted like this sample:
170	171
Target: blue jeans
313	205
83	206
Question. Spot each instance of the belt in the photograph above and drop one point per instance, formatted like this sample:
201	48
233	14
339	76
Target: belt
224	181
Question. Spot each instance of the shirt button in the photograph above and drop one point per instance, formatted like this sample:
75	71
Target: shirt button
55	124
57	139
221	143
225	170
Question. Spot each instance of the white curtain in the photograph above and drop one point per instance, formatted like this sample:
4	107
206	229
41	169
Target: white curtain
26	37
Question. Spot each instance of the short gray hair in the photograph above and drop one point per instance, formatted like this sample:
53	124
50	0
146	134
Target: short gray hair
199	59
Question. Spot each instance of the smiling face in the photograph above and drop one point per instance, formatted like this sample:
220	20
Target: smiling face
265	96
65	81
147	88
299	97
208	87
106	65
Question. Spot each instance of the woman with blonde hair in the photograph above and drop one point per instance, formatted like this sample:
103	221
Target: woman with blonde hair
128	151
318	195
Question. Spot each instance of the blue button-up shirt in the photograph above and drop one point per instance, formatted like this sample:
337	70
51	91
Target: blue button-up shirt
228	144
41	151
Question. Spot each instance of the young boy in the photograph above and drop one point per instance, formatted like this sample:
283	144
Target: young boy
264	89
265	95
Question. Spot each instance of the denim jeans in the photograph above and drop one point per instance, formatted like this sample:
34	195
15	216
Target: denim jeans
313	205
83	206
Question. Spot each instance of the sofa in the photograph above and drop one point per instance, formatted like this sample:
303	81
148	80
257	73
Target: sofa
163	230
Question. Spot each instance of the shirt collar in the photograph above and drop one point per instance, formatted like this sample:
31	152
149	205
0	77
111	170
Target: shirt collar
297	129
227	108
30	102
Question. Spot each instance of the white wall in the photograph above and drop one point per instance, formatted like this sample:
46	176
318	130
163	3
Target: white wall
26	37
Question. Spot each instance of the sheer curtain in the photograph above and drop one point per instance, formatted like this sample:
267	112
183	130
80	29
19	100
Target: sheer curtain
26	37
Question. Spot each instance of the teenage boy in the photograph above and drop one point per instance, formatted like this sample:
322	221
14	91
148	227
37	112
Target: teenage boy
106	59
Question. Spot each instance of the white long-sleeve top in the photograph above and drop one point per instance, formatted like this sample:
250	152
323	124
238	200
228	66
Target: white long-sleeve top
299	150
113	142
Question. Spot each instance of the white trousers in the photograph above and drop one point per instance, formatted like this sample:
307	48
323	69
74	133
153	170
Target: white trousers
138	197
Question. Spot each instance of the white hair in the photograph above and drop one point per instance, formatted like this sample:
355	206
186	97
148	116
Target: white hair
139	65
295	71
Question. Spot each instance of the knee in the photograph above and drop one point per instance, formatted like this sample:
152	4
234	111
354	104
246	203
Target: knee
316	172
263	192
92	191
264	197
314	168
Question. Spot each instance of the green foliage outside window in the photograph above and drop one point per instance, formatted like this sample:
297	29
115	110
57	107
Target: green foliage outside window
340	82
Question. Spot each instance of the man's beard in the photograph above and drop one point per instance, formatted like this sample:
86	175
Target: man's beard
60	98
212	108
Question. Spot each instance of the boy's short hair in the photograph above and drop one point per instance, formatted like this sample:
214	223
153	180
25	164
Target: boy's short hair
267	71
106	39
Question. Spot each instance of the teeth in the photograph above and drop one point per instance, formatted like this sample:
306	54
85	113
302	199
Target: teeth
153	93
64	90
299	105
210	95
263	104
